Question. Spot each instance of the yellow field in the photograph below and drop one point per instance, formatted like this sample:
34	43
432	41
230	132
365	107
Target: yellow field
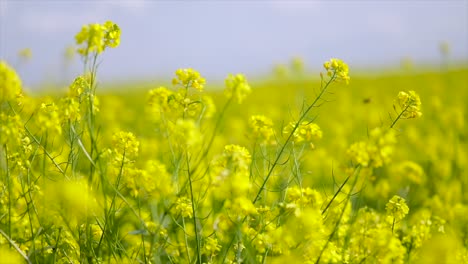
297	168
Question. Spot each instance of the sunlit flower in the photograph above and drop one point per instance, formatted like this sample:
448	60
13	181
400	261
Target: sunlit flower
237	87
338	69
10	83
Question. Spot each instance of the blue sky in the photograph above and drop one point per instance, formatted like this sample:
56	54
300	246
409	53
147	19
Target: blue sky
221	37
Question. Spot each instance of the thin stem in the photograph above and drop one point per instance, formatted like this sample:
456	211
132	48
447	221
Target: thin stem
9	188
197	239
288	140
21	252
399	116
335	229
356	172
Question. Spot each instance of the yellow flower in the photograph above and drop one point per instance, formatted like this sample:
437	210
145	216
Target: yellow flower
189	78
211	246
48	118
409	104
95	38
376	151
397	208
79	86
338	69
158	99
184	207
125	145
305	131
262	127
237	87
10	83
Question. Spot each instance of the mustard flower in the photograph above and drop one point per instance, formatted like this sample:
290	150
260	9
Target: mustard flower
230	172
183	206
240	207
237	87
211	246
339	69
189	78
70	109
209	106
158	99
411	171
409	104
304	196
186	132
125	145
305	132
239	157
397	208
95	38
262	128
376	151
418	234
48	118
79	86
10	83
10	127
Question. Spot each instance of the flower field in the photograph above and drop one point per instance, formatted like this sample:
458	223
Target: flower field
321	167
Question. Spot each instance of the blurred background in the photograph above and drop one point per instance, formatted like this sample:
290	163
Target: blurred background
221	37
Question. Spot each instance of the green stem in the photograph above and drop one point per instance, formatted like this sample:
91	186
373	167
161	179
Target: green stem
12	243
197	239
335	229
9	188
356	172
288	140
399	116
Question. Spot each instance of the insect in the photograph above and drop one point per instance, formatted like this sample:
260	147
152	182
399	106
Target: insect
366	100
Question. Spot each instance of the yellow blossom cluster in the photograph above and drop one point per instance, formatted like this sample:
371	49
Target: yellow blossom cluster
338	69
304	132
237	87
10	83
95	38
189	78
409	104
376	151
262	128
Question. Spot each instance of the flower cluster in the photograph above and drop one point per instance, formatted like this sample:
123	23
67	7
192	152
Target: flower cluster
10	83
338	69
95	38
305	131
262	128
237	87
230	172
167	104
376	151
125	146
189	78
397	208
408	104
